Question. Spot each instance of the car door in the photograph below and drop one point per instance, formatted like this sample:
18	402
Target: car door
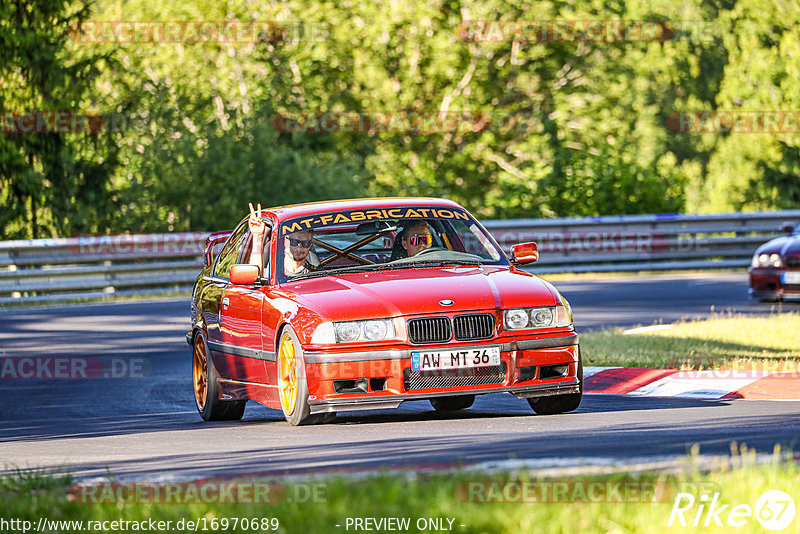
275	306
215	283
240	329
235	339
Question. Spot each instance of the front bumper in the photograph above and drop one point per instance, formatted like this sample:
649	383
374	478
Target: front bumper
542	366
767	284
385	402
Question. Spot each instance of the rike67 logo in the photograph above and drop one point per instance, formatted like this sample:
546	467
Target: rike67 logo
774	510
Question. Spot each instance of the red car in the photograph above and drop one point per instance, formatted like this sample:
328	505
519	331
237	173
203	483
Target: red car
395	299
775	269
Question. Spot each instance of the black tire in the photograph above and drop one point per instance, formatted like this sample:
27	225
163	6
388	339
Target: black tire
555	404
451	404
210	407
299	413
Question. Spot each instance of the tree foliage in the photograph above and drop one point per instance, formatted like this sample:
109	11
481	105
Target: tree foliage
576	127
50	183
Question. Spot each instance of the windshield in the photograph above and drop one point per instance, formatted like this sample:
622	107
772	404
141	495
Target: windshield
381	239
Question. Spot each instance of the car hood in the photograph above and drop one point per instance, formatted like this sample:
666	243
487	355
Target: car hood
420	291
785	246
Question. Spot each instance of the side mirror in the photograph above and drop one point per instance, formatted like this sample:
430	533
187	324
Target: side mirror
787	227
524	253
244	274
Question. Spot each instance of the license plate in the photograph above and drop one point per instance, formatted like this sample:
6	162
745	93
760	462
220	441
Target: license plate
790	277
455	359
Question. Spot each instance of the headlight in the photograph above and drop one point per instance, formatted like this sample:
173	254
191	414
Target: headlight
374	330
353	331
346	332
766	260
545	317
516	319
541	317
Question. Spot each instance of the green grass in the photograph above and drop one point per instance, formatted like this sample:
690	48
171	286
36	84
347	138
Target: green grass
643	503
721	342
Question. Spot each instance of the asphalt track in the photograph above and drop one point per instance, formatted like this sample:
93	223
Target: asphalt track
146	426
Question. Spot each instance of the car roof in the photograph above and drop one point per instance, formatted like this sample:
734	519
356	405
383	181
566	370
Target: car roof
283	213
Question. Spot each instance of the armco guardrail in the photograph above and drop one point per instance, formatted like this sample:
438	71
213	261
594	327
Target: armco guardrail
643	242
87	267
99	266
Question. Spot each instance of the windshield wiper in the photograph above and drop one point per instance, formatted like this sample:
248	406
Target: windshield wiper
391	266
440	263
344	270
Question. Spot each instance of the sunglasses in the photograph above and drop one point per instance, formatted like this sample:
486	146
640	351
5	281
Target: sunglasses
417	240
300	242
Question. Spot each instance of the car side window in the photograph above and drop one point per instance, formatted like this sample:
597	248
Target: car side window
248	246
267	253
230	254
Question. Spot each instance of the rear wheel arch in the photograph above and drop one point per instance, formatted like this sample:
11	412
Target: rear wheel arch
207	401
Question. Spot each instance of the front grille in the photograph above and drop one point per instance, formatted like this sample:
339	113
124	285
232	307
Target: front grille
476	326
793	261
429	330
451	378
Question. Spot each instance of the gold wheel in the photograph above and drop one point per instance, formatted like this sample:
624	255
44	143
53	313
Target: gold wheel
200	372
287	374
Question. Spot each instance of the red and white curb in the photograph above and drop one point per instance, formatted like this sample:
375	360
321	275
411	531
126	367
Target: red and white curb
714	384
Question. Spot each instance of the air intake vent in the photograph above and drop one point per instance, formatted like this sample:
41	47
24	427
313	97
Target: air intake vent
452	378
429	330
793	261
477	326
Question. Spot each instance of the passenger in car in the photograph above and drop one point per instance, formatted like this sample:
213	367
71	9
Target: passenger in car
297	246
257	230
415	237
